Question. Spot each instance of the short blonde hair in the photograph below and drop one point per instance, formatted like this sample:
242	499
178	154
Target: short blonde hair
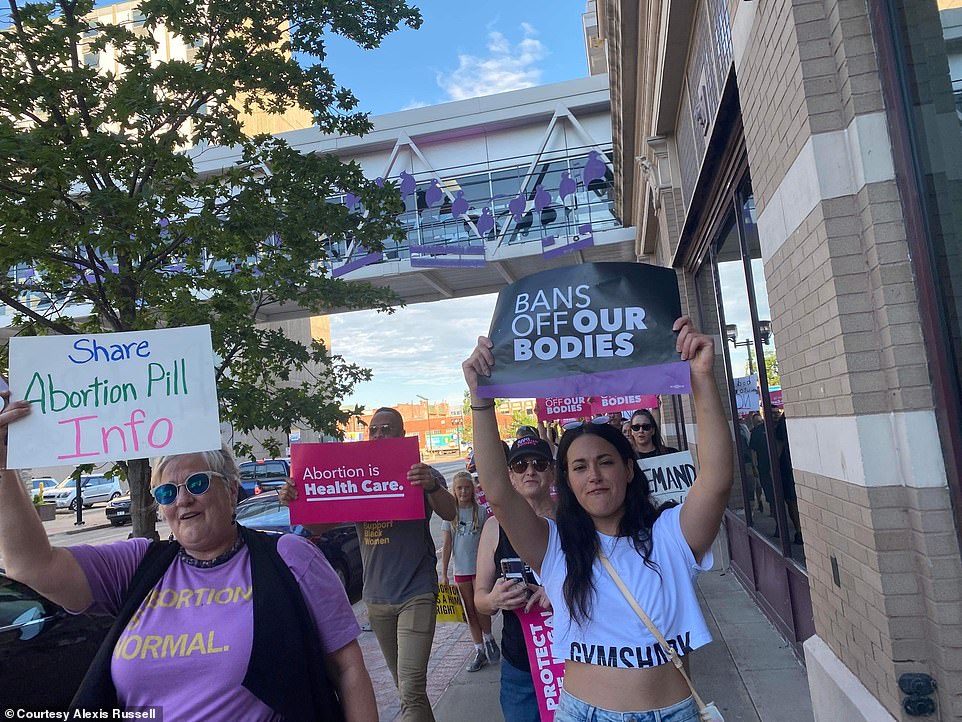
220	460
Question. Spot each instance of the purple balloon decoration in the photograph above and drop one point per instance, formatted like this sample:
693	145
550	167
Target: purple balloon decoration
434	194
460	205
164	223
542	198
595	168
379	182
351	200
517	205
408	184
485	223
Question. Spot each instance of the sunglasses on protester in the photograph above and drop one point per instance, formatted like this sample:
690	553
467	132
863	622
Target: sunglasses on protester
197	484
383	428
521	465
599	420
641	427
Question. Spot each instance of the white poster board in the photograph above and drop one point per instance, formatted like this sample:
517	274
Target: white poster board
746	393
113	396
669	476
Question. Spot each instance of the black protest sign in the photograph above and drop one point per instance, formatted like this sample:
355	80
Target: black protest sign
591	329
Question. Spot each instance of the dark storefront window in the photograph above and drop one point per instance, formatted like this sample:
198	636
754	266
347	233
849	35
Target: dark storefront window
767	500
920	45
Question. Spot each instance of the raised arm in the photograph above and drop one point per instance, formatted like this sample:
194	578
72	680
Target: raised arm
701	513
26	551
527	531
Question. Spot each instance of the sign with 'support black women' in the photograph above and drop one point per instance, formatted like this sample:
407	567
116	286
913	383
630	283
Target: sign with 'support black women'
595	328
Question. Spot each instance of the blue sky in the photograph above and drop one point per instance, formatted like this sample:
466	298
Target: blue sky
461	51
465	49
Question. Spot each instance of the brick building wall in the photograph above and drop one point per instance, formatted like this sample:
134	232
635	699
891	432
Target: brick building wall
853	363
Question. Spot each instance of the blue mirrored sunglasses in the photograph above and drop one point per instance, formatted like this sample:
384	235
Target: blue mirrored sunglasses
197	483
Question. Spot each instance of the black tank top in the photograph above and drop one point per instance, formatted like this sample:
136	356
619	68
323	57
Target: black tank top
512	638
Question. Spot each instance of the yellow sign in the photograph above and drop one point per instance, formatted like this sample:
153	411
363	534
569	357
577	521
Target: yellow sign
449	607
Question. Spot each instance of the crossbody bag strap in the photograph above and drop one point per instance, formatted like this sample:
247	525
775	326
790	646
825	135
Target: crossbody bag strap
675	659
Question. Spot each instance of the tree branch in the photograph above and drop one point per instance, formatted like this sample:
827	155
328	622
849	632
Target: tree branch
39	318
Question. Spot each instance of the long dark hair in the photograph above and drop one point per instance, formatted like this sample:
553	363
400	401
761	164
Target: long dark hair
655	431
579	540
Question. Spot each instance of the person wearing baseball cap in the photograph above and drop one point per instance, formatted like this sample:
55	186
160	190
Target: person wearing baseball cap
529	446
531	469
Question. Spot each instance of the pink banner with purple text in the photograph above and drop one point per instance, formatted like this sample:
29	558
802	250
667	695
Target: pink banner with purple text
362	481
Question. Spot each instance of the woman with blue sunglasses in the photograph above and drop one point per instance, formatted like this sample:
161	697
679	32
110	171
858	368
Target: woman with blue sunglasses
614	667
222	623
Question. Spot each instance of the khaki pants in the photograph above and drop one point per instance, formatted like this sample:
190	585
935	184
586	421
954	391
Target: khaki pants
405	633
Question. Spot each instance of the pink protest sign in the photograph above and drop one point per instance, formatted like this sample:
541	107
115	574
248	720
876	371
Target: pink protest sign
628	402
546	671
776	398
363	481
553	408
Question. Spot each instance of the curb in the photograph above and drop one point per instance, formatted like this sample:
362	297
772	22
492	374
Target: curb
84	528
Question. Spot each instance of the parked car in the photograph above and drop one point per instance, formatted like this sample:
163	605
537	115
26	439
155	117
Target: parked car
340	545
45	650
94	489
44	482
264	475
118	510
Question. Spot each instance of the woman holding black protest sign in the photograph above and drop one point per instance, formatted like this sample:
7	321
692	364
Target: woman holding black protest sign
615	666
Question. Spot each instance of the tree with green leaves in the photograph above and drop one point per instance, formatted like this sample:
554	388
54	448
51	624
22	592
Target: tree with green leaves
110	220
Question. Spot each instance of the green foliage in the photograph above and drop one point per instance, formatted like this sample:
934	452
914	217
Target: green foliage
771	369
111	191
519	419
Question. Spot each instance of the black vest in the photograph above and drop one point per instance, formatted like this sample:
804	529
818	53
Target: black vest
286	670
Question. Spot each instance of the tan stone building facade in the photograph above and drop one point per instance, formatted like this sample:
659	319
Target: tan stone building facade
798	162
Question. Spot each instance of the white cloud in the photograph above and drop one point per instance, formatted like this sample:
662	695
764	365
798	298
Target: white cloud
506	67
417	350
412	104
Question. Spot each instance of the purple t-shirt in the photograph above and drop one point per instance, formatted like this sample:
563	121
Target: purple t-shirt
187	647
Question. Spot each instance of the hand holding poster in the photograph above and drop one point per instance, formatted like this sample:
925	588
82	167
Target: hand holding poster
595	328
113	396
362	481
670	476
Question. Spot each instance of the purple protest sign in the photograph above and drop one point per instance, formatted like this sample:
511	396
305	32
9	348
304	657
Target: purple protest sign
587	330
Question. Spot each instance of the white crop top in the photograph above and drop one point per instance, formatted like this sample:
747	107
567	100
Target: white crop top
614	636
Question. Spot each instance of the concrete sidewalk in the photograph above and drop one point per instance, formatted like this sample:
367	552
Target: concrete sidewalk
749	671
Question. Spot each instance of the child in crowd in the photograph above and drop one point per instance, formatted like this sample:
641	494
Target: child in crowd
461	538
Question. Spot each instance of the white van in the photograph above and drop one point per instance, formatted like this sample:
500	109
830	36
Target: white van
94	488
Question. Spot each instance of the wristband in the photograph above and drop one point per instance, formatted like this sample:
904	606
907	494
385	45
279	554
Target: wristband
483	407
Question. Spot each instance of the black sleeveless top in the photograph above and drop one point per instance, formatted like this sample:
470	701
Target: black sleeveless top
512	638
